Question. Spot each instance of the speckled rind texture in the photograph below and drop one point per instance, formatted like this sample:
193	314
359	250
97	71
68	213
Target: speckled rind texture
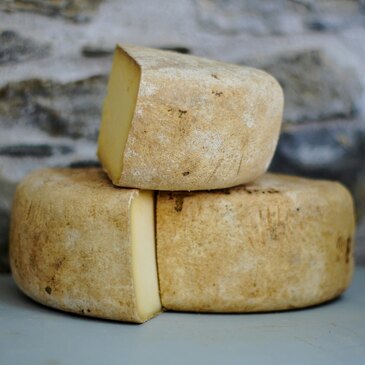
278	243
199	124
70	244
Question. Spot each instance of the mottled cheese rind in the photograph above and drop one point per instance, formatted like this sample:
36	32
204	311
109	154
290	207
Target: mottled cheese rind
197	124
278	243
71	245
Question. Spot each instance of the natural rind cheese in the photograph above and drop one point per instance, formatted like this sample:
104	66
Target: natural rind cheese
179	122
278	243
81	245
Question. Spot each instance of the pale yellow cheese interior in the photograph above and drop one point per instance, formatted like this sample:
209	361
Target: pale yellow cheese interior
118	111
144	255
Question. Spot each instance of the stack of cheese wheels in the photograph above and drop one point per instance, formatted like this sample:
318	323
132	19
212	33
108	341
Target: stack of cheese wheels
219	235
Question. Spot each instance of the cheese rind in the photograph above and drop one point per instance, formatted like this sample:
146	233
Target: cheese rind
76	243
197	124
278	243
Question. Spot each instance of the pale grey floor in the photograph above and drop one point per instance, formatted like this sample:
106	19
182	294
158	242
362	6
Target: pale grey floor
329	334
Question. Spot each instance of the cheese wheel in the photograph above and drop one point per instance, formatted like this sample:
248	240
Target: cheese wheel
179	122
81	245
278	243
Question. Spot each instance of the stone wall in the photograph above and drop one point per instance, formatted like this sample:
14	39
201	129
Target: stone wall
55	56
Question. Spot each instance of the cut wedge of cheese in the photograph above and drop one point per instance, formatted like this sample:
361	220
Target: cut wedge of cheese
278	243
179	122
80	245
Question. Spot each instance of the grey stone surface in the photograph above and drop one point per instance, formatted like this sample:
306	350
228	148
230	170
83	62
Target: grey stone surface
97	50
332	150
4	227
360	248
255	17
100	50
360	198
326	148
324	15
279	16
15	48
71	109
55	56
38	150
315	87
76	10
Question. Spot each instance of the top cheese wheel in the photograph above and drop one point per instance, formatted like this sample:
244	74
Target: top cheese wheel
179	122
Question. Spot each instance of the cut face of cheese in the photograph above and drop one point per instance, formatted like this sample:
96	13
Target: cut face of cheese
179	122
144	255
81	245
278	243
118	111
